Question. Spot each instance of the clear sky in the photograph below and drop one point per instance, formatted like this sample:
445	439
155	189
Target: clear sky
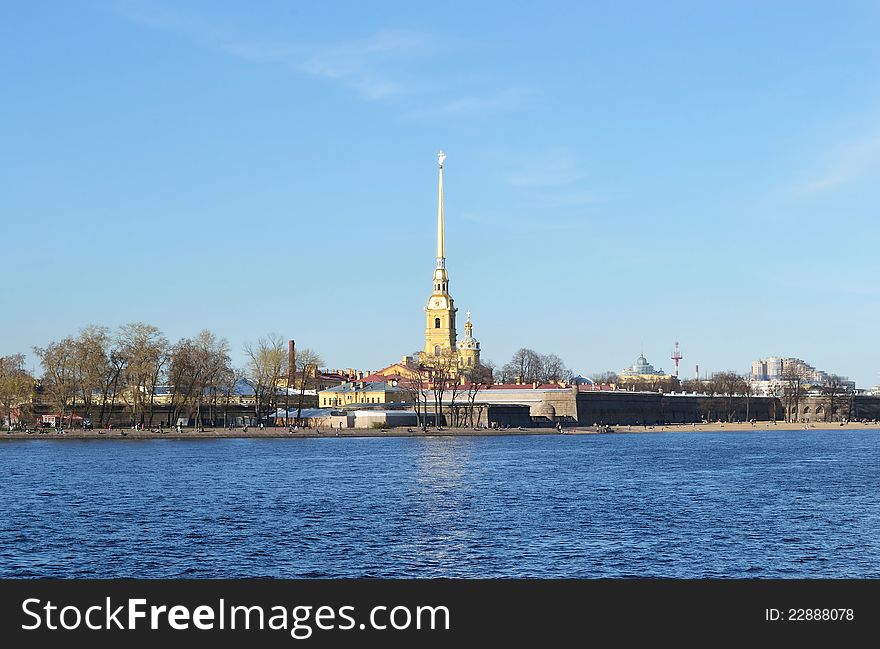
619	175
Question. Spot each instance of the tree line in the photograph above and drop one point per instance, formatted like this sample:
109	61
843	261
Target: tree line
98	370
440	377
529	366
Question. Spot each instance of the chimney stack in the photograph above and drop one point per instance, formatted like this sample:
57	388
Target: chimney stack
291	363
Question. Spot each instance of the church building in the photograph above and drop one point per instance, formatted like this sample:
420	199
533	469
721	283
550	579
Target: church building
440	334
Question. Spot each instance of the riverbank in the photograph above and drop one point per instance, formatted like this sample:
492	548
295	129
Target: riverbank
280	432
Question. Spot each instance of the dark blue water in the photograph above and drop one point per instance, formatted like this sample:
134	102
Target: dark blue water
752	504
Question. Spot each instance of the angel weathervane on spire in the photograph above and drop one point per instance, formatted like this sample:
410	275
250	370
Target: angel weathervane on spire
441	157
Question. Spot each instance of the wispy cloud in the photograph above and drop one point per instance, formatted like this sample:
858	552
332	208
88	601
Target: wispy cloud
550	169
552	179
377	66
366	64
849	163
370	65
489	101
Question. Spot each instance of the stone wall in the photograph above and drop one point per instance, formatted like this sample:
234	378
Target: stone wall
622	407
820	409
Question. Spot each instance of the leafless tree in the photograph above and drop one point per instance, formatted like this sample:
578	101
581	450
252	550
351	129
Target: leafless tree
306	364
456	388
836	391
553	369
477	379
146	353
58	382
529	366
91	364
198	369
16	389
774	390
267	361
417	386
443	369
525	366
732	387
606	378
794	379
748	389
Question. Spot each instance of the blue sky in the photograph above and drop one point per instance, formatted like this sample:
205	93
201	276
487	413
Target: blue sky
619	176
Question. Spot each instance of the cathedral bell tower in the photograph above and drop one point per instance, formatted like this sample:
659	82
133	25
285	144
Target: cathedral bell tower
440	312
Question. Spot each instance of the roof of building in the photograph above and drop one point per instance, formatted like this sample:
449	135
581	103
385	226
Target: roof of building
364	386
526	386
383	378
305	413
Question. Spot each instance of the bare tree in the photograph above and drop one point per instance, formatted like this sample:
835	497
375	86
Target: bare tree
418	386
198	369
835	389
748	389
553	369
793	390
58	382
774	390
525	366
146	352
732	387
306	364
456	388
16	389
110	390
606	378
267	361
443	370
707	405
477	378
529	366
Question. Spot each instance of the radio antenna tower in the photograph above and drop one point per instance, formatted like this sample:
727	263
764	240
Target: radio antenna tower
676	358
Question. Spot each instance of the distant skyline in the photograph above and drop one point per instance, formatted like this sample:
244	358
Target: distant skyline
618	177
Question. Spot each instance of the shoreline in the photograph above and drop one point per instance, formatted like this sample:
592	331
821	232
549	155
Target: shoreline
283	433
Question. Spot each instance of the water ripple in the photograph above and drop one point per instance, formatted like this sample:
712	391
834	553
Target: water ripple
688	505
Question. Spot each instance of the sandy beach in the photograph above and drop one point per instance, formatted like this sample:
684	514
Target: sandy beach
280	432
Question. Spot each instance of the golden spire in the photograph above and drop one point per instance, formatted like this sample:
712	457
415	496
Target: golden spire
441	252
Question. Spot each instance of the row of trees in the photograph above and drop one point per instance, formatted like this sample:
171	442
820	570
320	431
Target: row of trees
728	394
439	378
528	366
733	391
267	361
98	370
442	376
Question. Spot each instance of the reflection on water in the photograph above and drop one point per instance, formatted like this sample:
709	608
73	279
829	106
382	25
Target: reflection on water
752	504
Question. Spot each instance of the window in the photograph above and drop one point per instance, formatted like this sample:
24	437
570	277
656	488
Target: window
470	361
436	323
436	350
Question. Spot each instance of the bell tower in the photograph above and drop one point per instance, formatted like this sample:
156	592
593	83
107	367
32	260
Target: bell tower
440	311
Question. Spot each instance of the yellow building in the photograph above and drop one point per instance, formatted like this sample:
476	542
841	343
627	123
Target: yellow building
360	392
440	337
